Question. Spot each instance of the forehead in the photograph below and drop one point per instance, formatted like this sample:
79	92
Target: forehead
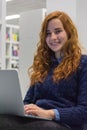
54	23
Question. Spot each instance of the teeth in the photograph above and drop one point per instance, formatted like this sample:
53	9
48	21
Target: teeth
55	43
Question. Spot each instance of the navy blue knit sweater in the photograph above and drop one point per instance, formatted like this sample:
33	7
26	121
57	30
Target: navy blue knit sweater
69	96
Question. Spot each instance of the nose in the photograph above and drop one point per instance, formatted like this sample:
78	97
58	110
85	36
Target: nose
53	35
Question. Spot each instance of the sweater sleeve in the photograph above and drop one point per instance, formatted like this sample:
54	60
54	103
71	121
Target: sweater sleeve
29	96
57	116
77	114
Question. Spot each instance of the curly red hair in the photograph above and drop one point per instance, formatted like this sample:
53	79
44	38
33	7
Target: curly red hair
71	50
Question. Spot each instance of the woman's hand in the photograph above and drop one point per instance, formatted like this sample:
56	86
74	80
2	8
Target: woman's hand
37	111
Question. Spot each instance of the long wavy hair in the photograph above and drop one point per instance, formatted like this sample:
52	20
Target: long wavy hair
71	50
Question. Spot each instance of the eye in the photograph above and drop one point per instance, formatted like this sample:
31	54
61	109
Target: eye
48	33
58	31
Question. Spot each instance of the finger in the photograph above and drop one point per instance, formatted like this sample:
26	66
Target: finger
32	112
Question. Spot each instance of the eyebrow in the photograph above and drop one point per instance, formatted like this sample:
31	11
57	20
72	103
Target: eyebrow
57	28
54	29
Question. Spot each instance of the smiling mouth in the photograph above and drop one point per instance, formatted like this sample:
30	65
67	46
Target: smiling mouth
55	44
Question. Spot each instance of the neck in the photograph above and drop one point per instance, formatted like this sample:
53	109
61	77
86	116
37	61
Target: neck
57	55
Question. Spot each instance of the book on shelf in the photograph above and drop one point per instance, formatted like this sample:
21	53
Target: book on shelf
15	50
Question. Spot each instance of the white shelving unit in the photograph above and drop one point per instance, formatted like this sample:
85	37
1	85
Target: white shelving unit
12	47
2	33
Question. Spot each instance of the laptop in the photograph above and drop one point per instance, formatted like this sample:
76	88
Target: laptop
10	95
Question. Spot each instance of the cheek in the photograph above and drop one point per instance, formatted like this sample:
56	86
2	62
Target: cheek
64	37
47	41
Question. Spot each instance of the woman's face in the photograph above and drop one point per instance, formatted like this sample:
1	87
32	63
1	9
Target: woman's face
56	36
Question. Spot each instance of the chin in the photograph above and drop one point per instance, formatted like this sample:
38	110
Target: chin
56	50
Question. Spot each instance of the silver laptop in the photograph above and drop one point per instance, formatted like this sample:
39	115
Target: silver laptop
10	95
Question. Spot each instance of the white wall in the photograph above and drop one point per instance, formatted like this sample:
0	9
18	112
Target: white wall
30	23
82	21
68	6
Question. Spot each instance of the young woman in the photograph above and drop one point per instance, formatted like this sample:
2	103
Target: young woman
58	87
